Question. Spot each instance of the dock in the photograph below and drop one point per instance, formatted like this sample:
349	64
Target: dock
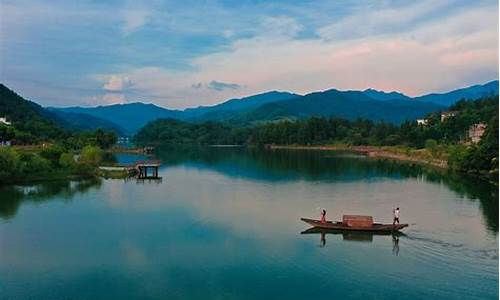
144	168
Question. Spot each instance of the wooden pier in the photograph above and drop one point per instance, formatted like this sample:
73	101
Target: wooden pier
143	168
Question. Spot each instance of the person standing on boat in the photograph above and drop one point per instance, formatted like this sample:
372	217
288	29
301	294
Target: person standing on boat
323	216
396	216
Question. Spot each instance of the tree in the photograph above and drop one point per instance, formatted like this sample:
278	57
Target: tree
9	164
89	160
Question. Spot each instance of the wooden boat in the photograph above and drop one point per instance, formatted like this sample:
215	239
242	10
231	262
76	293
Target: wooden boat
375	227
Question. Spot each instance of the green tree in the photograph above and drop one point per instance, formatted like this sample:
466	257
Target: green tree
9	164
67	161
89	160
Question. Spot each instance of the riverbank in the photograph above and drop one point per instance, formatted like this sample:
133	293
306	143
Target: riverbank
403	154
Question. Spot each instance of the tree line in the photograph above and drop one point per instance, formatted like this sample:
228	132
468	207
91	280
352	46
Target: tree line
68	154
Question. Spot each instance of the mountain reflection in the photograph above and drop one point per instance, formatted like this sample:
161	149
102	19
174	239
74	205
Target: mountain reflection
277	166
291	165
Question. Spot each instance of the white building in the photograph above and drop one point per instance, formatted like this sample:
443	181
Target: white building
4	121
421	121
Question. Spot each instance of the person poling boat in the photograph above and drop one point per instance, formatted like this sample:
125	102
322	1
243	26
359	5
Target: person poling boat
395	212
323	216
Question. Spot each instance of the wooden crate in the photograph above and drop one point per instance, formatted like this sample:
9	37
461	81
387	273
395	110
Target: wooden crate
357	221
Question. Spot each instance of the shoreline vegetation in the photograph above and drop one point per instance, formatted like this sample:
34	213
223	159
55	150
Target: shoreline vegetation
401	154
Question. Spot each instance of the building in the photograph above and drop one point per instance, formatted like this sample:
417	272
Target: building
475	132
446	114
421	121
4	121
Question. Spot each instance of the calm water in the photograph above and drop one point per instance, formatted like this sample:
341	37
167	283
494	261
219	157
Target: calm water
224	224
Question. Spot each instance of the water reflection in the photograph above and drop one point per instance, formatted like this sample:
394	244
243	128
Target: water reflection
355	236
223	219
283	166
292	165
14	196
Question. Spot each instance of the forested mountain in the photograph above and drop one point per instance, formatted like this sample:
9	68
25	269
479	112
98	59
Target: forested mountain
32	124
130	117
343	104
218	111
83	122
271	106
472	92
133	116
28	117
381	95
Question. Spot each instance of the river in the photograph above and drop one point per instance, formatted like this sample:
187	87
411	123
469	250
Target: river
224	223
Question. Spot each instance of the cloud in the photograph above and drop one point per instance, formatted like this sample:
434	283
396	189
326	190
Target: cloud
280	26
220	86
453	51
117	83
134	18
198	85
177	56
113	98
228	33
373	21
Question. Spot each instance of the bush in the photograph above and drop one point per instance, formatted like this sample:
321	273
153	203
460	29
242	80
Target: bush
89	160
66	161
38	164
9	164
52	154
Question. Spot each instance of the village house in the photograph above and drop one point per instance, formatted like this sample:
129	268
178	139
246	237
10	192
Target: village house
447	114
421	121
4	121
475	132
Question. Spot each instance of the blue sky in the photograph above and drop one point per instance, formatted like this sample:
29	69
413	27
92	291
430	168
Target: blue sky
187	53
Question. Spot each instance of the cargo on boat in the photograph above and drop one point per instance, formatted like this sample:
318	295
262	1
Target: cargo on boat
355	223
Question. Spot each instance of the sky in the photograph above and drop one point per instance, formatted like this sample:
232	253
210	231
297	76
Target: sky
180	54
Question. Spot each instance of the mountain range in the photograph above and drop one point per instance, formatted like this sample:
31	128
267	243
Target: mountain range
393	107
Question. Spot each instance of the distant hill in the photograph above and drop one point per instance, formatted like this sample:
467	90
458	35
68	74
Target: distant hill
472	92
86	122
343	104
233	105
131	117
396	107
384	96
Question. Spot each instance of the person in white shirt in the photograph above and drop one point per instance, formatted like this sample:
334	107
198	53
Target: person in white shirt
396	216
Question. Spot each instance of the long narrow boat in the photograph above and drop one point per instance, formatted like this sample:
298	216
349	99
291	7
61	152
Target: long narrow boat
375	227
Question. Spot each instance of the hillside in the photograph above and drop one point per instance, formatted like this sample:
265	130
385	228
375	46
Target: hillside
131	117
219	111
472	92
344	104
396	107
86	122
384	96
29	117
